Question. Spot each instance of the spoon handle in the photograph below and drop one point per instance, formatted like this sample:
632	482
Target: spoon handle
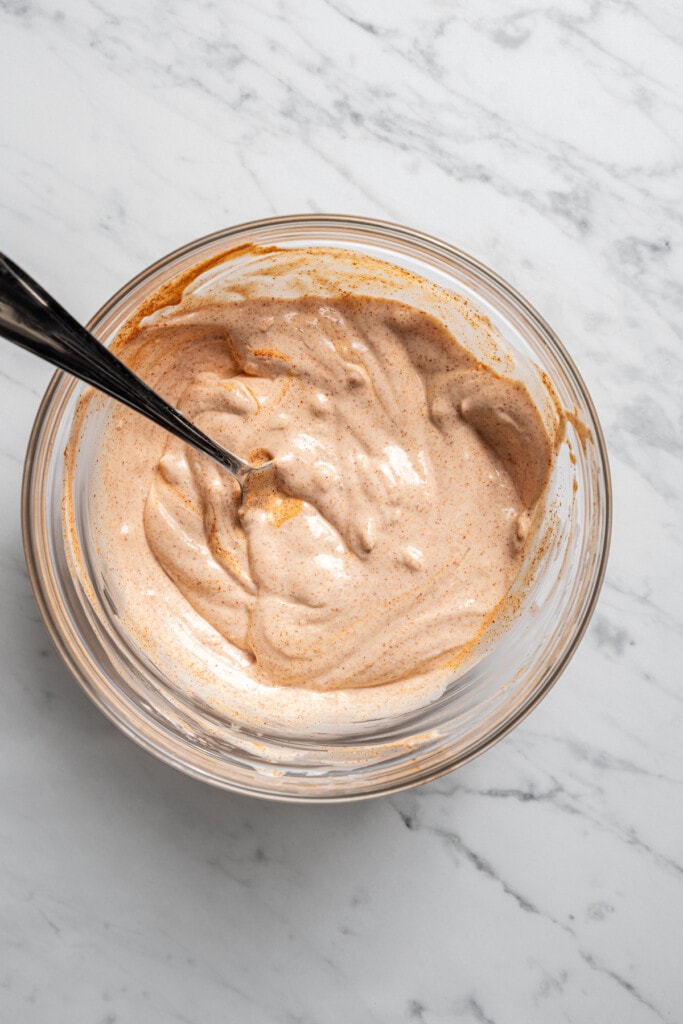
31	318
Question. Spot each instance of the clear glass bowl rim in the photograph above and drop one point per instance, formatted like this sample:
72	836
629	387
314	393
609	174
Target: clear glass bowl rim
387	231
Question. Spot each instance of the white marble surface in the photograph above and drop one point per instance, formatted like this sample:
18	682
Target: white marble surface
543	882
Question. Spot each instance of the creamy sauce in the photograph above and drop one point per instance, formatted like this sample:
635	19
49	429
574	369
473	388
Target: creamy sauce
406	478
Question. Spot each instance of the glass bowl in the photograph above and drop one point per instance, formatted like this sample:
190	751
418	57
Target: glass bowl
513	665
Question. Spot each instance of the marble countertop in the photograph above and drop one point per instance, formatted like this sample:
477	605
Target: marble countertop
544	881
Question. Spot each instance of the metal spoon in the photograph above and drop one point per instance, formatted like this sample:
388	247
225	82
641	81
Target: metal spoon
33	319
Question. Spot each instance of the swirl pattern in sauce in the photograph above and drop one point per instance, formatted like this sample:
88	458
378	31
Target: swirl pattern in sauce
406	475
